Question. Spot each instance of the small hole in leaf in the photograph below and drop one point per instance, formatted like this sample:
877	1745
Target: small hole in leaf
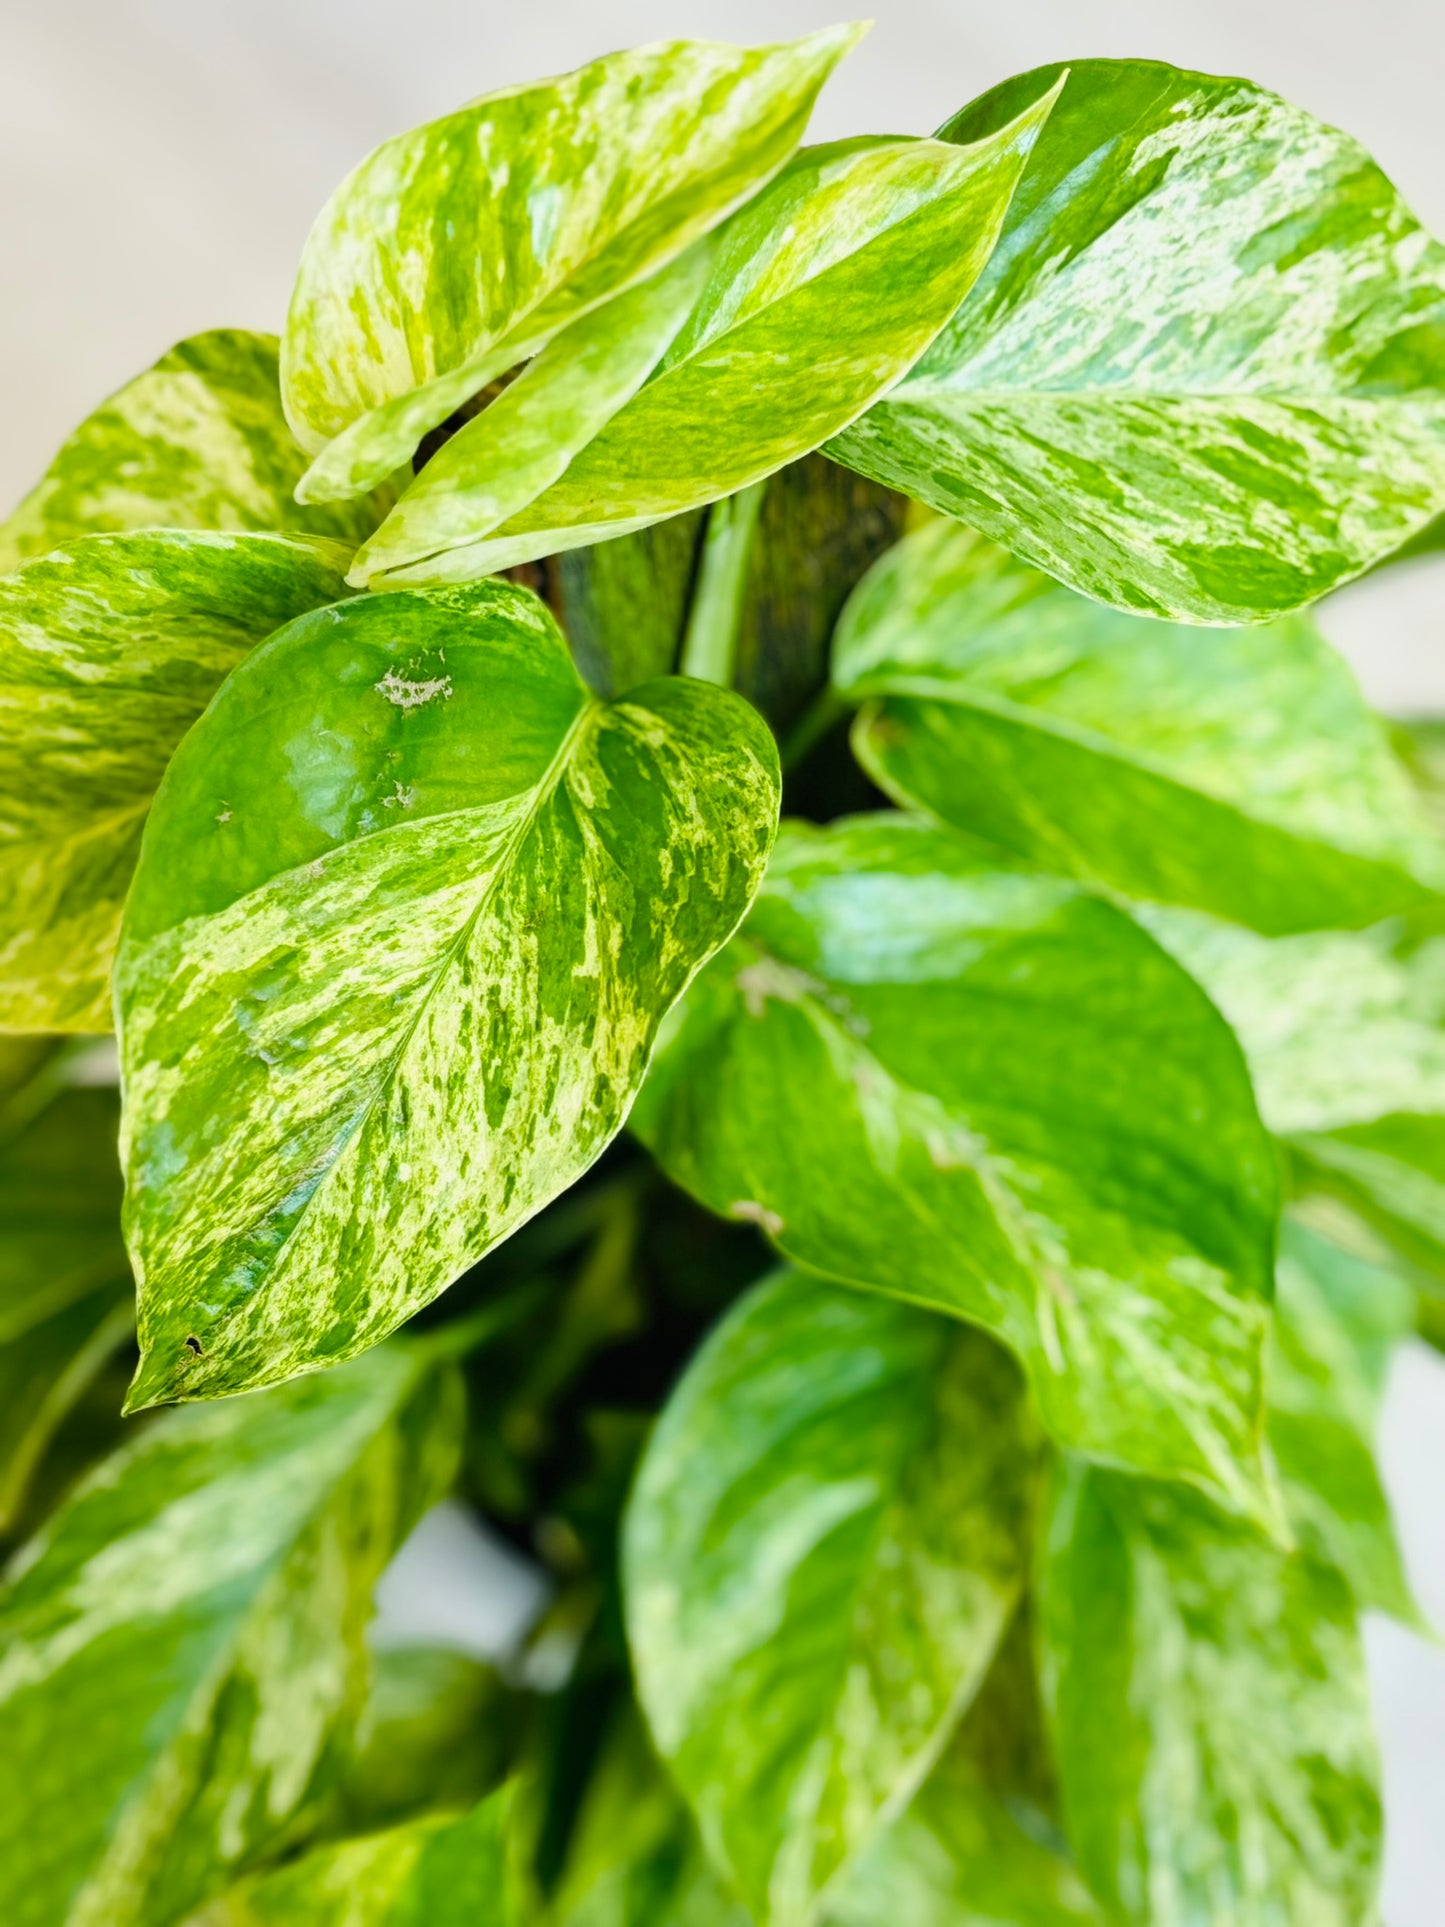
194	1345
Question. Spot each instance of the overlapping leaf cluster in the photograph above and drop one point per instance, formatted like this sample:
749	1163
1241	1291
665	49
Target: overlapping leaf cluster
1036	1144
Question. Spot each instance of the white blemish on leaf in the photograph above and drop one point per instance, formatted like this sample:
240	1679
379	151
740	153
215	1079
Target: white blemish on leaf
751	1212
407	694
402	798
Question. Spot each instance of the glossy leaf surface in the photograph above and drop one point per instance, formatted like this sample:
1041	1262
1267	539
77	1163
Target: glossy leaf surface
1200	377
459	249
65	1285
190	1626
1210	1712
411	907
1345	1036
199	441
1337	1320
820	294
859	1074
109	650
1238	770
442	1871
826	1540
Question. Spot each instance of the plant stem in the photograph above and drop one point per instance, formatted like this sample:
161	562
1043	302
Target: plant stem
709	649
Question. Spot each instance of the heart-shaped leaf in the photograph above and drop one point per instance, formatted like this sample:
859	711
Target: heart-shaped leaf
410	908
109	650
458	250
1238	770
1201	375
199	441
827	1537
820	293
190	1627
1210	1713
977	1089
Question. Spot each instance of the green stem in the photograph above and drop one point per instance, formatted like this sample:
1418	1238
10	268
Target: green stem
710	647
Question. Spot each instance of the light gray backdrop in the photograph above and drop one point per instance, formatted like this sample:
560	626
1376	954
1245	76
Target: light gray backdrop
160	162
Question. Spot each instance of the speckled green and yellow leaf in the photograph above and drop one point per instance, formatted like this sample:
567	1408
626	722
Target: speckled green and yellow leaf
1210	1713
410	908
495	465
1345	1036
1337	1321
109	650
821	292
976	1089
459	249
1201	376
1238	770
181	1649
827	1537
441	1871
66	1297
199	441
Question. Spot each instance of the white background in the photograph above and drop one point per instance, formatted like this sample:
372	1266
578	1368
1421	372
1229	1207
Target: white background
160	163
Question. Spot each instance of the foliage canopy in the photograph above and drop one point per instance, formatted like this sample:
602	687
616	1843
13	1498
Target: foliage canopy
920	1273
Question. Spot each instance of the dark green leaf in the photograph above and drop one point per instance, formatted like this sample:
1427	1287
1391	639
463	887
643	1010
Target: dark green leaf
197	442
819	527
1200	376
813	300
1336	1322
1210	1711
978	1089
826	1540
460	249
66	1299
436	1872
109	650
181	1651
623	604
429	902
435	1735
1238	770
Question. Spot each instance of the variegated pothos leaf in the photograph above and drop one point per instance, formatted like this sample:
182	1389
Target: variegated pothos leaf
828	1535
812	300
199	441
1201	375
109	650
410	908
1238	770
859	1074
458	250
182	1650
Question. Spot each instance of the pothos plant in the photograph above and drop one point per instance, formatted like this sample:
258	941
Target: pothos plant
947	1412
